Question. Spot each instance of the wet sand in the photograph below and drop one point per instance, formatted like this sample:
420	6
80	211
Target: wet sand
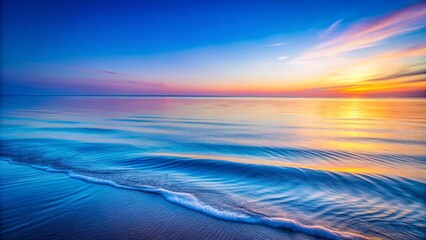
42	205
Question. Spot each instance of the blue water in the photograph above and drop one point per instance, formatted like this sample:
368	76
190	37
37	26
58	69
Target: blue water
334	168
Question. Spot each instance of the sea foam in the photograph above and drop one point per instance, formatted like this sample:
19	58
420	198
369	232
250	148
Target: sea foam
189	201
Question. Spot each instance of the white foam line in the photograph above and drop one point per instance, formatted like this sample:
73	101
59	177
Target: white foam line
191	202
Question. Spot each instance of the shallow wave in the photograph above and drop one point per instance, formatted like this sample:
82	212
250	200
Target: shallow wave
264	170
303	153
190	201
251	169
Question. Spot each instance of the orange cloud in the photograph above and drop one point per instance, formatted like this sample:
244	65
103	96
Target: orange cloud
391	71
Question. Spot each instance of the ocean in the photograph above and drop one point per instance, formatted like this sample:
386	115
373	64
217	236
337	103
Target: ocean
329	168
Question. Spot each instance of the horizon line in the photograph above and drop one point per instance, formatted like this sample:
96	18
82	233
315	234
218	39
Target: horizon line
195	96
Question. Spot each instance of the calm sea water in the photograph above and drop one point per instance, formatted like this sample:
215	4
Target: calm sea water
335	168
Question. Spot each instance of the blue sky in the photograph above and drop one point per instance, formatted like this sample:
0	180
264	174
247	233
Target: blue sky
183	47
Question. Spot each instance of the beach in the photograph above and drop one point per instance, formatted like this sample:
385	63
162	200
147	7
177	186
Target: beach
42	205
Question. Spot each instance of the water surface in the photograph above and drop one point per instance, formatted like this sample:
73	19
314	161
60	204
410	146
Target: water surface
334	168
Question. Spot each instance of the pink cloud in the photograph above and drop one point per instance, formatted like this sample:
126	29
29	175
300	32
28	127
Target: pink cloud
367	33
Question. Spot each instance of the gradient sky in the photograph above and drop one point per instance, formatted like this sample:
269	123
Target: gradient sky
242	48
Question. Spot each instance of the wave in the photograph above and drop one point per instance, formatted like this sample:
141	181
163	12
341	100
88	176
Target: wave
252	170
277	172
191	202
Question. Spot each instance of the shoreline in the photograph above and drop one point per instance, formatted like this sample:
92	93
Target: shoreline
41	205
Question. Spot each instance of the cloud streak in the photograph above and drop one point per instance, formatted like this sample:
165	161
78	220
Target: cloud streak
367	33
330	29
378	61
398	75
79	68
82	78
386	70
278	44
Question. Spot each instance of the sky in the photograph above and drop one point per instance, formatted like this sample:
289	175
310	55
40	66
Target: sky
351	48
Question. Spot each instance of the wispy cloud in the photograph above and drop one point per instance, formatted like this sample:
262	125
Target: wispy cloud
330	29
416	81
398	75
80	75
278	44
367	33
104	71
77	68
389	69
416	51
